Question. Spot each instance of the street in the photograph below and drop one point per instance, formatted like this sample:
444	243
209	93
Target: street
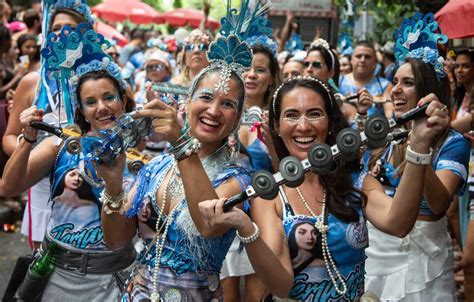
12	245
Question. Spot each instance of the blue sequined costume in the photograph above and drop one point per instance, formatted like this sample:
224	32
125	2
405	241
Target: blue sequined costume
190	264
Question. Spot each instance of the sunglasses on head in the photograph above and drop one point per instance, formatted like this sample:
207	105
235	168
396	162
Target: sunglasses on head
314	64
158	67
200	47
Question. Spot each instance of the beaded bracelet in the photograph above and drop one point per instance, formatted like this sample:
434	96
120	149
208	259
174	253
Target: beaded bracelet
112	204
185	149
251	238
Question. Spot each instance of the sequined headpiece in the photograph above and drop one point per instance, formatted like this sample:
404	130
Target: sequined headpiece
418	39
256	29
229	53
67	56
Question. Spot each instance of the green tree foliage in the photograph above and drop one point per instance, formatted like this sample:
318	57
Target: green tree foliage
387	15
156	4
92	3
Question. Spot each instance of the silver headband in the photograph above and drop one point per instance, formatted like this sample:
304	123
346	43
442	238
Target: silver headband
325	87
324	44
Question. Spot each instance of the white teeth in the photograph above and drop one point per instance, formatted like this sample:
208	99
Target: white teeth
210	122
399	102
105	118
304	140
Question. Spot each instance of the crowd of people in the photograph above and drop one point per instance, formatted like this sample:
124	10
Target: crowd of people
381	225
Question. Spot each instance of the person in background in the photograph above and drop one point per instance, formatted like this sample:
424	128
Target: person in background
388	60
32	19
29	54
363	62
345	64
194	57
292	68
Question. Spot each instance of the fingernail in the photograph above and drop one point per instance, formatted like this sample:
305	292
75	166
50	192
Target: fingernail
419	103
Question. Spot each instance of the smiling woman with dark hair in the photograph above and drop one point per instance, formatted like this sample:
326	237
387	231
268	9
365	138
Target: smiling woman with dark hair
303	112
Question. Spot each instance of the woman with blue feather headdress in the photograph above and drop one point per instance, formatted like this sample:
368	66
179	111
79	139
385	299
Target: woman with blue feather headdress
39	88
418	267
183	256
82	267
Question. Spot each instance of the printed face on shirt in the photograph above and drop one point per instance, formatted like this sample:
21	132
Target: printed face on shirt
306	236
403	93
73	180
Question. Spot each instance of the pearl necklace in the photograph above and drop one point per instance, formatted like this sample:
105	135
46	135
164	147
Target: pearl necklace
160	240
323	229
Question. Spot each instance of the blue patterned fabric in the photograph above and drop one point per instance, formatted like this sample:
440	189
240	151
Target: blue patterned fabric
347	242
259	156
75	216
181	254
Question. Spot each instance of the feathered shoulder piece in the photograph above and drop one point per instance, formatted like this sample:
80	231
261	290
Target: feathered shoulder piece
418	38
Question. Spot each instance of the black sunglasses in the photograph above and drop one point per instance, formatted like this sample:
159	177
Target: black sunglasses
314	64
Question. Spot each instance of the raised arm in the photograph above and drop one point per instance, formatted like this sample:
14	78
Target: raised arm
22	100
269	252
118	230
397	216
26	167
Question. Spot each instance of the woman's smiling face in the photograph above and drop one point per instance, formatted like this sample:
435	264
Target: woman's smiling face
303	121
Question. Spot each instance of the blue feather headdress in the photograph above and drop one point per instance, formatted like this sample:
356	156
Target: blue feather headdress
48	96
250	24
230	52
419	38
66	57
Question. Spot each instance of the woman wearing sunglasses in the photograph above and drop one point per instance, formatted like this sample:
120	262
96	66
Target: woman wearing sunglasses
194	59
321	63
156	70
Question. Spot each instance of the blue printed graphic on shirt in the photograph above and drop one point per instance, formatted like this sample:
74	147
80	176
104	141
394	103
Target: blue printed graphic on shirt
75	216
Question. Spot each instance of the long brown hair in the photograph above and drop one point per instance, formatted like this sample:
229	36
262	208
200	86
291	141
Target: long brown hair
338	183
426	82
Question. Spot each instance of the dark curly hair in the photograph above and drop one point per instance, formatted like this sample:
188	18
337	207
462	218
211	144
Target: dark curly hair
338	183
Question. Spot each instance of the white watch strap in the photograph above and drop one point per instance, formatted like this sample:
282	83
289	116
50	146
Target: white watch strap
418	158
